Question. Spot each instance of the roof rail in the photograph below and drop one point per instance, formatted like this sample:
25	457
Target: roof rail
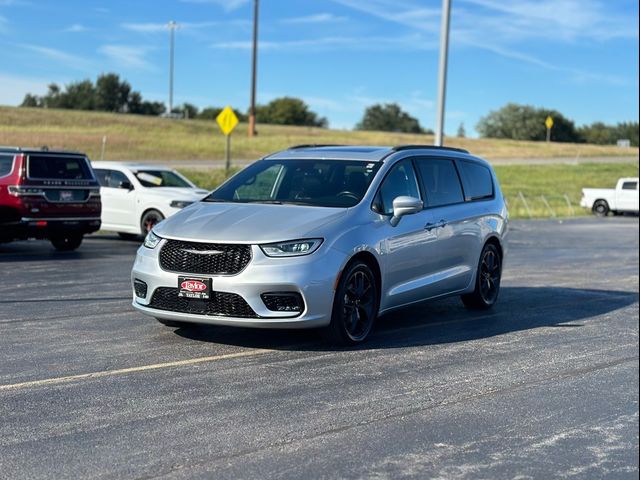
316	145
399	148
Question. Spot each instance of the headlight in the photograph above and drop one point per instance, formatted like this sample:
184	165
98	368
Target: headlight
151	240
294	248
180	203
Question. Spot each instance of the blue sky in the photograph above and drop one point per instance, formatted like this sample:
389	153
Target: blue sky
577	56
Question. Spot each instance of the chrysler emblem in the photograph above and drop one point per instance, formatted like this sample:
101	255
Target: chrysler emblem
203	252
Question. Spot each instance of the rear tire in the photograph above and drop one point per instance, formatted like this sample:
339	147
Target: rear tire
174	323
600	208
149	220
488	277
66	243
355	306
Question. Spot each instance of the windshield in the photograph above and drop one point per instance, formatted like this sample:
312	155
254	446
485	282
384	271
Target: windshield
161	178
321	183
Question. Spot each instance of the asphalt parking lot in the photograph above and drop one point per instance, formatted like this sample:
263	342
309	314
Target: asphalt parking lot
544	385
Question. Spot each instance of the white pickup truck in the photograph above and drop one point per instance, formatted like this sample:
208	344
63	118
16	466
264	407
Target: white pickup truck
601	201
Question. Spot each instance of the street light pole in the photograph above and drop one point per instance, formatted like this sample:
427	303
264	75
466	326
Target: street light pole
252	106
172	25
442	73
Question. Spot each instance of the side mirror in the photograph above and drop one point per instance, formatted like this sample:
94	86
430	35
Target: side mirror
404	206
126	185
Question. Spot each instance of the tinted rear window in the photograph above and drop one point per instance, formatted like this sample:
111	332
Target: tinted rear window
63	167
625	185
477	180
440	181
6	163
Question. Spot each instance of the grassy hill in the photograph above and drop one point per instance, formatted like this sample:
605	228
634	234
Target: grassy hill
134	137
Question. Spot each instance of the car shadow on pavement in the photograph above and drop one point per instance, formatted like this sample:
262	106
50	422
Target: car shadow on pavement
442	321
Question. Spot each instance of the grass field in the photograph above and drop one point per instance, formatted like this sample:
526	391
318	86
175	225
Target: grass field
134	137
533	181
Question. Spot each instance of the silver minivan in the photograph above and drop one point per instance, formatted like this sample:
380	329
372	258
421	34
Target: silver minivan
328	237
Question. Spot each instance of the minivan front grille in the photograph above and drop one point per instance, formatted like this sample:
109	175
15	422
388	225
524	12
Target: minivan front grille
221	304
204	258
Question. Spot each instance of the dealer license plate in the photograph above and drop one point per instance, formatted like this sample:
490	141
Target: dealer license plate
198	288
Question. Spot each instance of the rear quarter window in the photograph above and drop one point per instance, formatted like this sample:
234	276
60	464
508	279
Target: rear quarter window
625	185
476	180
59	167
6	165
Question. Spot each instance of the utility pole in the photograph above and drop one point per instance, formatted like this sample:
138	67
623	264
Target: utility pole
442	73
252	106
172	25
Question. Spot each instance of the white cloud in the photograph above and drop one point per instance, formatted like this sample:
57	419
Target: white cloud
15	87
414	42
163	27
318	18
506	28
76	28
60	56
127	56
227	5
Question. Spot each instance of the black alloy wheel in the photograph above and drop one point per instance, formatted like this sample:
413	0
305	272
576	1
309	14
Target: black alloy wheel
149	220
355	306
488	279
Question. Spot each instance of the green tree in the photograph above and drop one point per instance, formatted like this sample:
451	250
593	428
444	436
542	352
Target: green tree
31	101
289	111
461	131
211	113
524	122
112	95
79	96
388	118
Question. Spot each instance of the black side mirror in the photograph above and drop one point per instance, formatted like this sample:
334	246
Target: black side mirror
126	184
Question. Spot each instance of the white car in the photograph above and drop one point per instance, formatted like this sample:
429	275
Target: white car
135	197
601	201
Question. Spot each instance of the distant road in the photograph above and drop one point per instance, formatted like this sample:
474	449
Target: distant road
203	164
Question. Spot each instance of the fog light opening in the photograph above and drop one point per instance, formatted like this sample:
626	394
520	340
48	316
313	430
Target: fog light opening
283	301
140	288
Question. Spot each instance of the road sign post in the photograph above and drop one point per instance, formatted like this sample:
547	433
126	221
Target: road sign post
549	123
227	121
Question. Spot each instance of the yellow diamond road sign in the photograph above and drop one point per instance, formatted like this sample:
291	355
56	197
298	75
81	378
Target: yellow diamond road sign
227	120
549	122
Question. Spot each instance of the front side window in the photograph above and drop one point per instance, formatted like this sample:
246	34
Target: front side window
116	179
320	183
400	181
6	165
62	167
440	181
161	178
625	185
478	183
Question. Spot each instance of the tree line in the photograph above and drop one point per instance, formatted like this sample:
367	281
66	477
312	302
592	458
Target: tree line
525	122
516	122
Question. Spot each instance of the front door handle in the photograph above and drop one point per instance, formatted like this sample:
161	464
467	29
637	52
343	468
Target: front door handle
430	226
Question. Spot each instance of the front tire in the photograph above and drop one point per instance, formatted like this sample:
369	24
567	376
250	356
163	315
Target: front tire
488	278
601	208
149	220
355	306
66	243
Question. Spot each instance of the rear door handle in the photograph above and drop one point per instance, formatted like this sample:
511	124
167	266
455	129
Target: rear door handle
430	226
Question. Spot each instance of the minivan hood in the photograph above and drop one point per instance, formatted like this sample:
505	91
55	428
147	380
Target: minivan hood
247	222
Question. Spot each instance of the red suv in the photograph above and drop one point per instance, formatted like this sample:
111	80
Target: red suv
47	194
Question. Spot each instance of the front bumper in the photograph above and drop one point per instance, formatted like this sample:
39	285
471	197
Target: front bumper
312	276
